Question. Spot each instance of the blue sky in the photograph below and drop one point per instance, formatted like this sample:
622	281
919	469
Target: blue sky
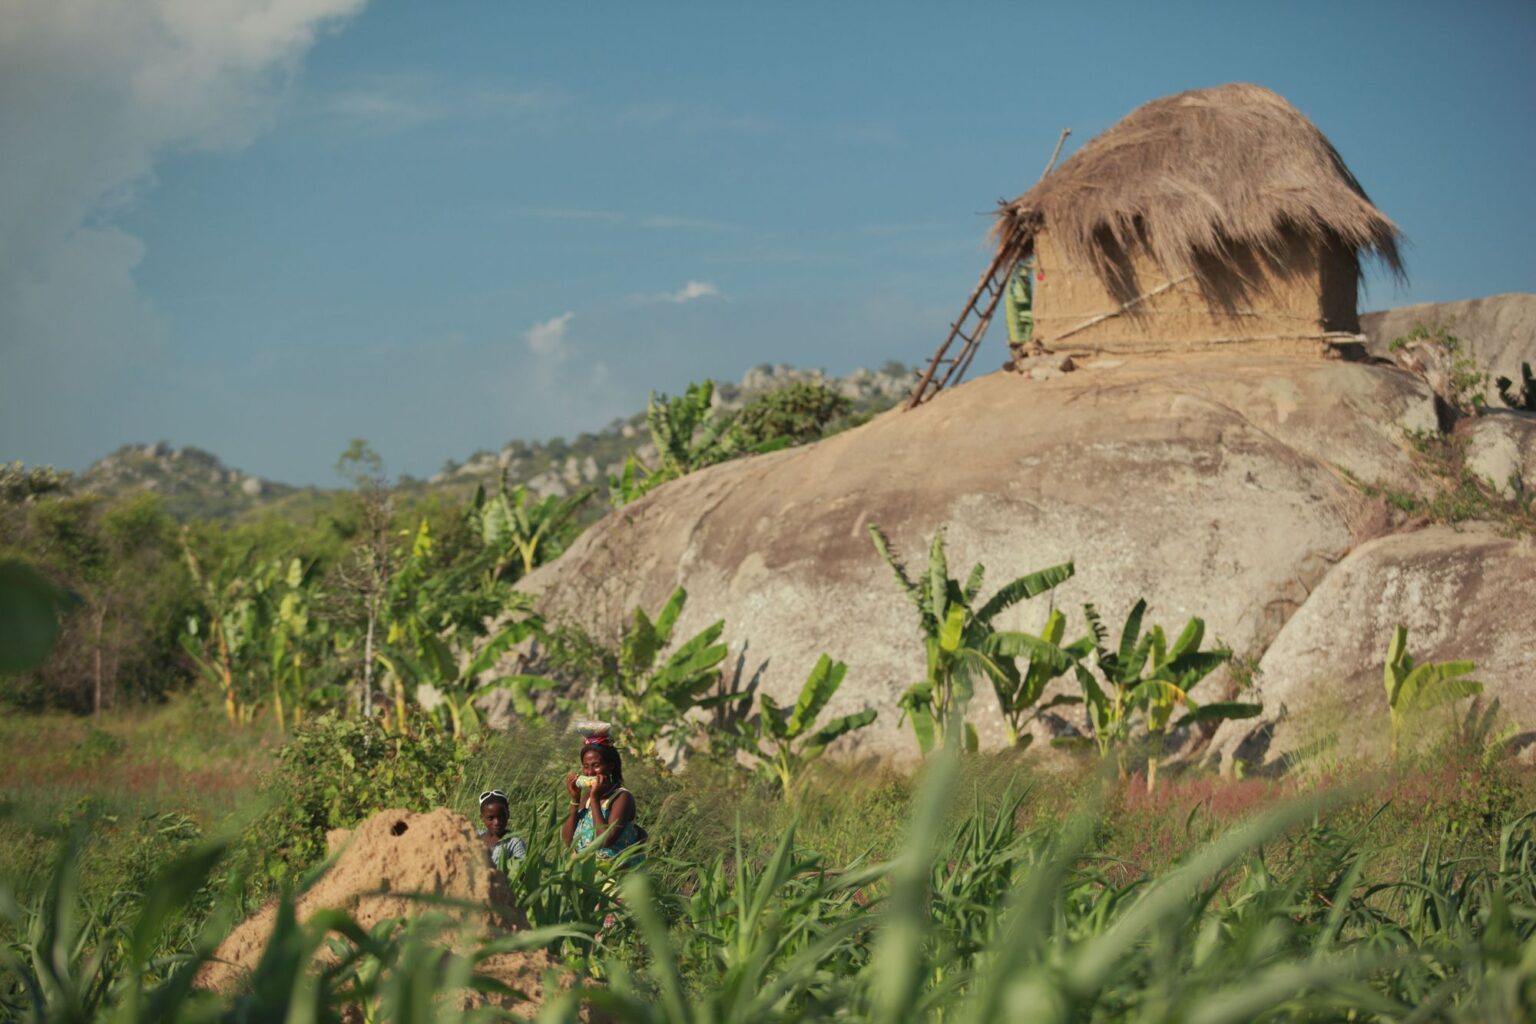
266	227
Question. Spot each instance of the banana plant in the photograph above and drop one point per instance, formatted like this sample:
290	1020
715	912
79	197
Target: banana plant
960	641
255	632
784	743
688	435
631	482
1145	673
687	432
523	533
1175	671
1018	693
1412	688
295	640
653	696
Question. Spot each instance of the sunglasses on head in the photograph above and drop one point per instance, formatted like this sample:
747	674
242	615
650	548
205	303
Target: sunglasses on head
492	794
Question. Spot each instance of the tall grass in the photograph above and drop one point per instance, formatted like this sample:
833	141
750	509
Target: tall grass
985	895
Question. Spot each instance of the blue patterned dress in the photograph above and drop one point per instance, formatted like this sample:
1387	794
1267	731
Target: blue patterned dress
586	831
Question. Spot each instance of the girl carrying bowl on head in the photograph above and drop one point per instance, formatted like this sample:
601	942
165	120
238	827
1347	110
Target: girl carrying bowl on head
602	812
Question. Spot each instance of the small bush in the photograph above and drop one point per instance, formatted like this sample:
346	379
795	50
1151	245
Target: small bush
333	774
800	412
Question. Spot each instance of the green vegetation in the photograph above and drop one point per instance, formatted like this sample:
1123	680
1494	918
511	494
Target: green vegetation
522	532
982	891
650	695
1466	384
959	638
783	741
1145	673
688	435
332	774
1455	494
1413	689
797	413
257	684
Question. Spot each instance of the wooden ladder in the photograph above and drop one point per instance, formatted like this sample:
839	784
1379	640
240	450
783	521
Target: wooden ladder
973	320
970	326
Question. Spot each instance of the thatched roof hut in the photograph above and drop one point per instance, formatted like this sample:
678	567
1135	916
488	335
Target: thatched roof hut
1216	217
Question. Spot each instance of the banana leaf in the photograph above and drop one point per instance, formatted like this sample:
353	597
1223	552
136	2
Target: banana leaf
1024	588
819	688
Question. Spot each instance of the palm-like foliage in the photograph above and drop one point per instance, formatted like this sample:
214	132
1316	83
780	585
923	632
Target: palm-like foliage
650	695
1412	689
784	741
960	640
1145	673
522	532
436	636
688	434
257	633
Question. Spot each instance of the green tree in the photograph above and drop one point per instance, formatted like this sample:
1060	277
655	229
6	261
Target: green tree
1019	693
435	634
249	637
650	694
120	558
960	640
364	576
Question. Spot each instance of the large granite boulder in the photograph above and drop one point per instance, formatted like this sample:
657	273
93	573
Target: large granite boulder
1501	451
1499	331
1211	486
1464	595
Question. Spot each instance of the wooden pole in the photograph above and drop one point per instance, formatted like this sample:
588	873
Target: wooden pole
1055	153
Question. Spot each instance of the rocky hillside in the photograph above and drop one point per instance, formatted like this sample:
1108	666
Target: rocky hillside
192	482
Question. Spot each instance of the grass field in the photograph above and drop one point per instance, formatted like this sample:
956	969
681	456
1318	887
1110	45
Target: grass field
992	886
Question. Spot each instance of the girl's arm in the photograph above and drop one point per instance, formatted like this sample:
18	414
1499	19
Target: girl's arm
568	830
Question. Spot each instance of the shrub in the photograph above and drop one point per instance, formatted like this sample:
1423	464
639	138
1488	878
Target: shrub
800	413
333	774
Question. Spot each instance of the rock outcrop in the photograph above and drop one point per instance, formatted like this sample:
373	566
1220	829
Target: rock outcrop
1211	486
1499	331
1467	595
1501	451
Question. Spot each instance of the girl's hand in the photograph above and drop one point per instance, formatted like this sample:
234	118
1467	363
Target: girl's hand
594	792
570	787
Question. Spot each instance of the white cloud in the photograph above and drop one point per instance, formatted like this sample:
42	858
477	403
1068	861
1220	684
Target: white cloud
690	292
694	290
549	337
92	92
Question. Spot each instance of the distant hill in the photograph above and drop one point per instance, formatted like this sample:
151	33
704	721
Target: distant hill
195	483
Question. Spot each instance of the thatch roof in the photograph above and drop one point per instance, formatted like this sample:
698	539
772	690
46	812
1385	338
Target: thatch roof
1196	176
